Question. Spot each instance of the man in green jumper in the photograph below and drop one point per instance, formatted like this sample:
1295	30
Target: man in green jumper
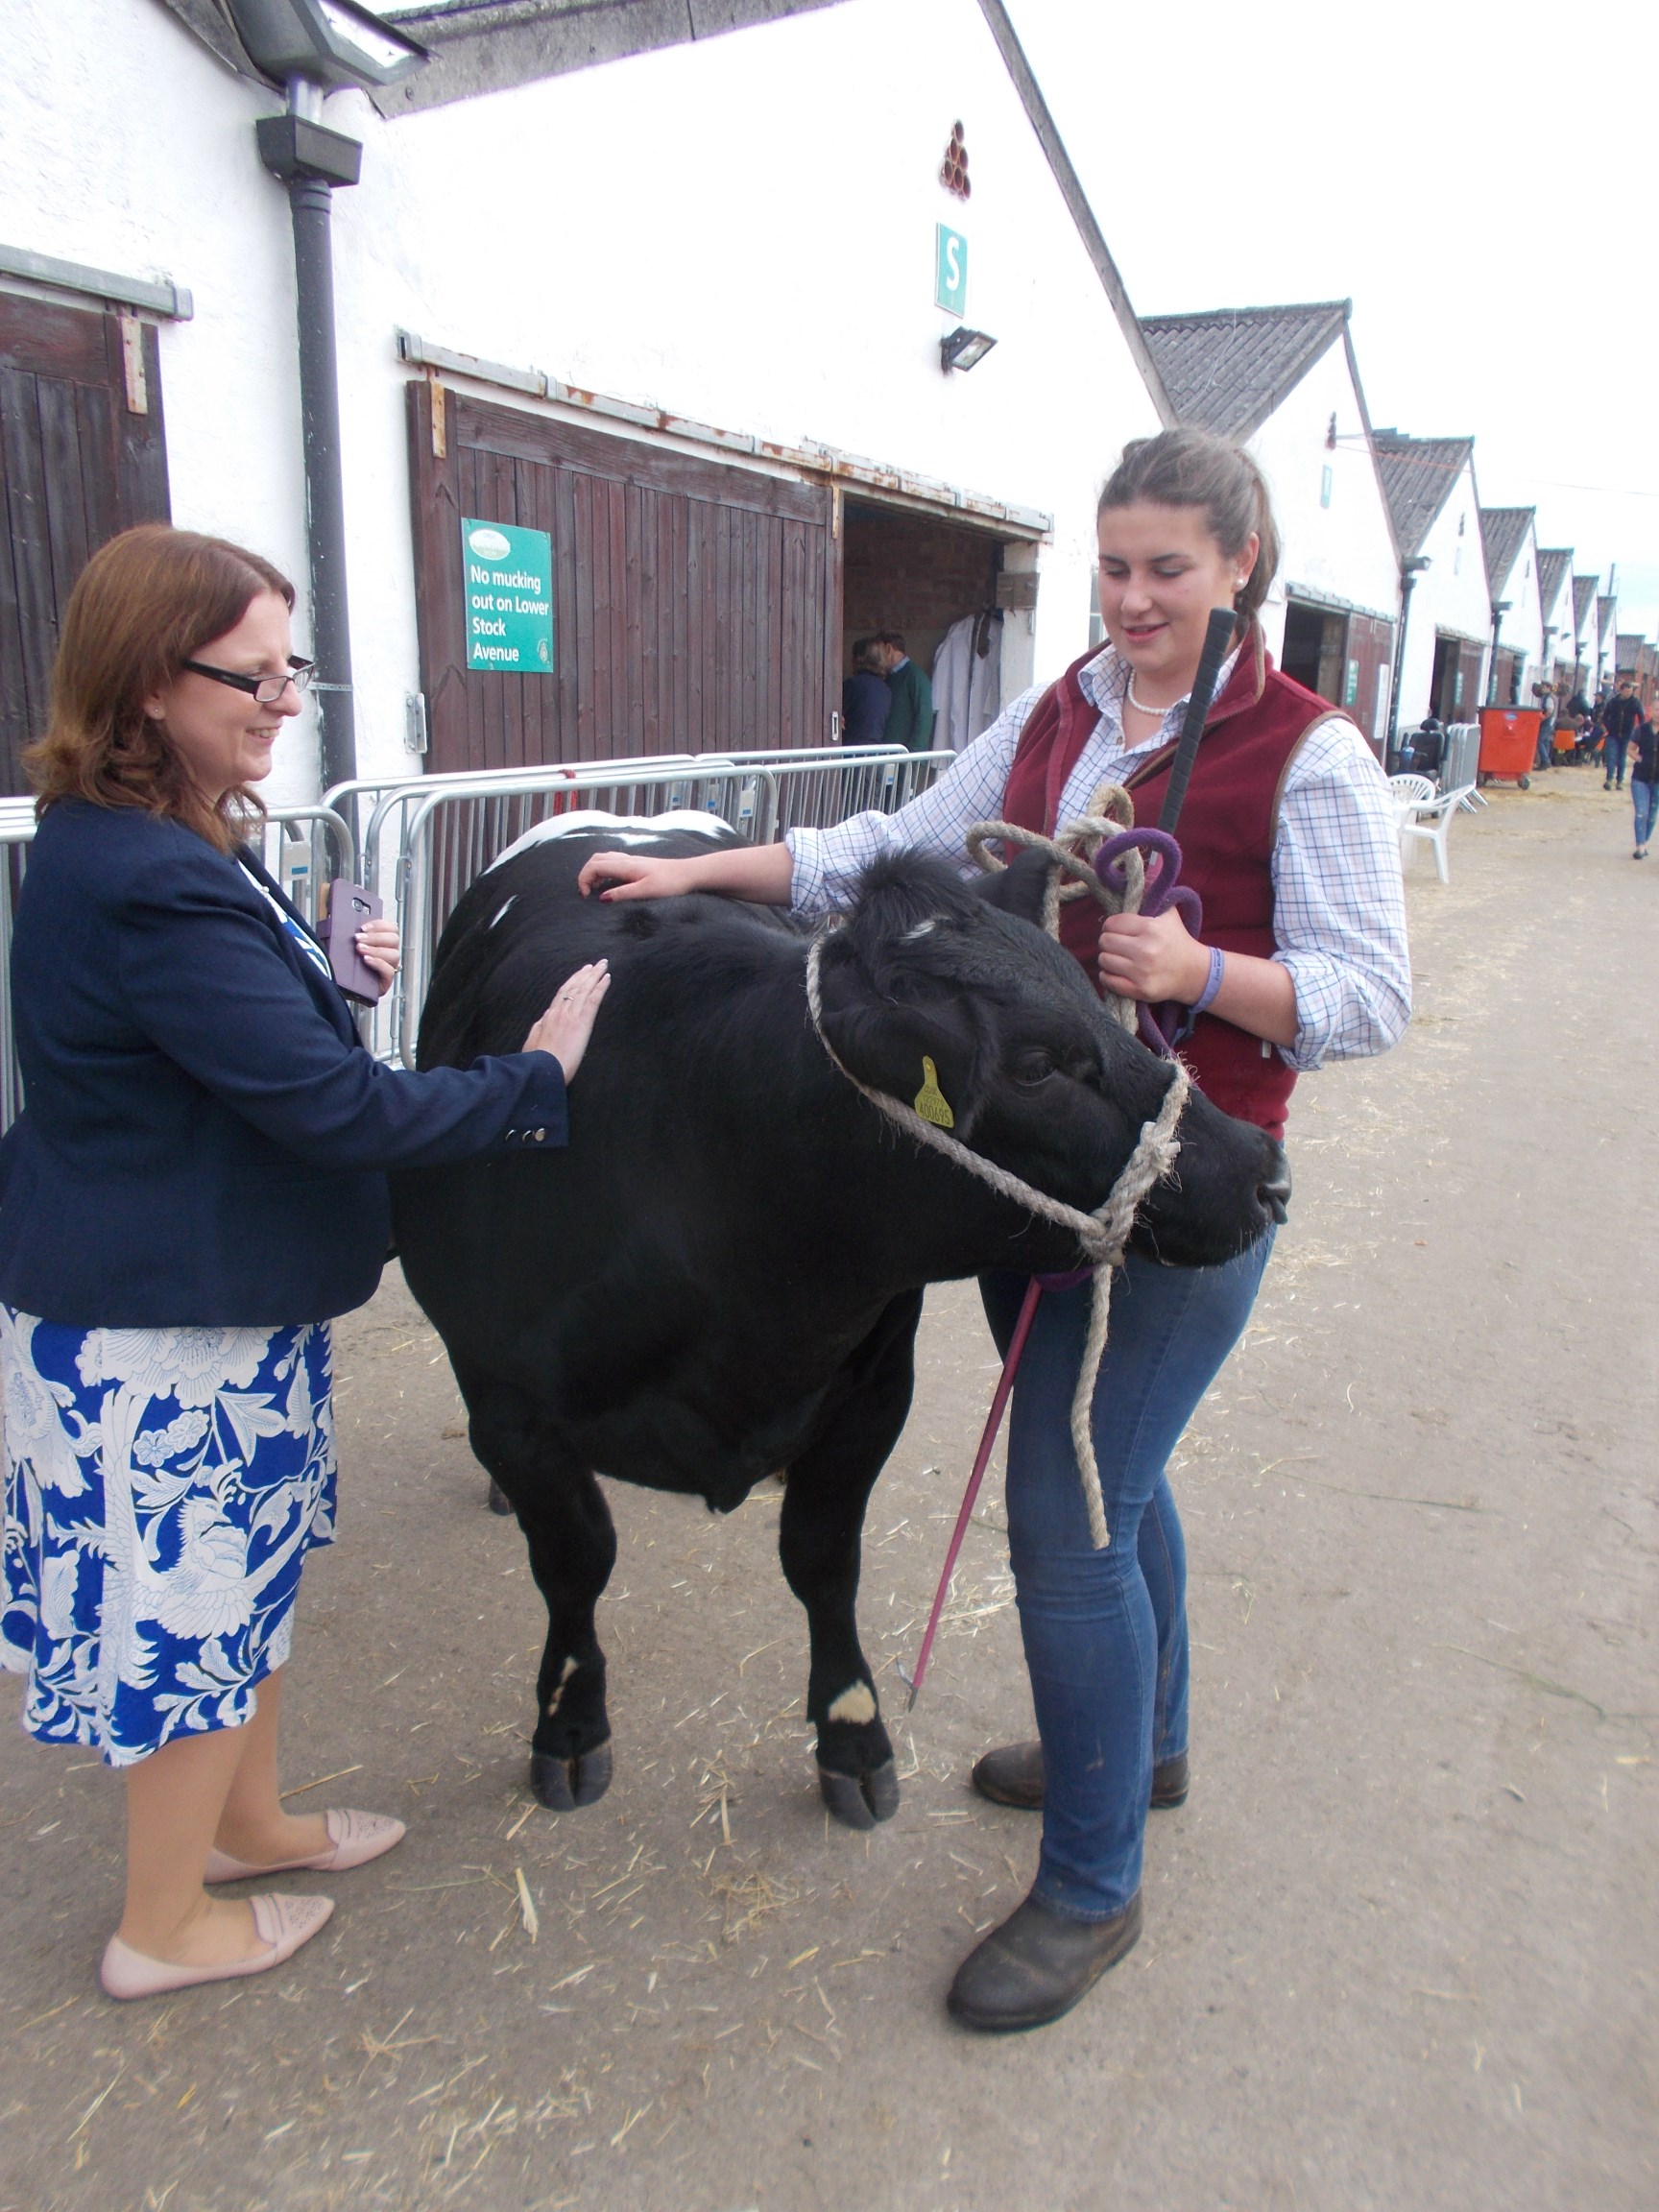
910	721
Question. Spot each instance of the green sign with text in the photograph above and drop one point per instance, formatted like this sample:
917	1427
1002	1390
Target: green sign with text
508	574
951	271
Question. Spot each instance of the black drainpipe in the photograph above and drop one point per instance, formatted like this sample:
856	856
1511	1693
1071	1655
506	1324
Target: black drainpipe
311	160
1409	571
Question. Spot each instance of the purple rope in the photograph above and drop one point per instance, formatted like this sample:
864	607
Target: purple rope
1161	1027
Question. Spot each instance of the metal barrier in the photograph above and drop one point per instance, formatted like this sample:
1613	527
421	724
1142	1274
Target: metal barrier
304	859
1460	757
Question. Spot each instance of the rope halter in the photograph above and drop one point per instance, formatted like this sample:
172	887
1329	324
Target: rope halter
1102	1235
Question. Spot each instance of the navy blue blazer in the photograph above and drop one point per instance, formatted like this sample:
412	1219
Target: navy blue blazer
204	1136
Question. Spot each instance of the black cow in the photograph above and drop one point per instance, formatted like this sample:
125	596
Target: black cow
720	1279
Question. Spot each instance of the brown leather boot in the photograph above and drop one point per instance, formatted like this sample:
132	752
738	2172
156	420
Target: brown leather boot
1013	1775
1037	1965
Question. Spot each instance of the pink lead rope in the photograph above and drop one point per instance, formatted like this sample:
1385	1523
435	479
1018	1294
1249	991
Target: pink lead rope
987	1444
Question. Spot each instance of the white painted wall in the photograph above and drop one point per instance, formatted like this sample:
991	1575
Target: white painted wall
1522	628
1344	551
1557	615
702	230
1589	648
1451	595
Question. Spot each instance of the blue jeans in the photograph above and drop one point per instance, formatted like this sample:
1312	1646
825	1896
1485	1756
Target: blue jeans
1105	1632
1613	753
1646	796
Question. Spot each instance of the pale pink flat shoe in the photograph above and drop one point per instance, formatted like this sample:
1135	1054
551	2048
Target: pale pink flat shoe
281	1923
353	1837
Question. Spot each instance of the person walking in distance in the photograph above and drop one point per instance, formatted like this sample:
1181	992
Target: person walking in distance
911	720
1645	781
1289	836
1623	712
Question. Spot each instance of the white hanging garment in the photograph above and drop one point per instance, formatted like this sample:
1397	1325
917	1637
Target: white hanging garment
968	680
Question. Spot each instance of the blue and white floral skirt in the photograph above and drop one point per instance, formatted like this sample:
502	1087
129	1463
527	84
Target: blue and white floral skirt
164	1486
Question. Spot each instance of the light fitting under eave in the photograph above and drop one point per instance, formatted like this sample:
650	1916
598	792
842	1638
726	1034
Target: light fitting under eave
964	349
332	43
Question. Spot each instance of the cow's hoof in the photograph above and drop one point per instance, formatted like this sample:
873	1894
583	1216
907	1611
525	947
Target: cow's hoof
860	1800
499	1501
563	1784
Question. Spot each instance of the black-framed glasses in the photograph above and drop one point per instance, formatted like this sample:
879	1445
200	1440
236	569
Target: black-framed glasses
267	689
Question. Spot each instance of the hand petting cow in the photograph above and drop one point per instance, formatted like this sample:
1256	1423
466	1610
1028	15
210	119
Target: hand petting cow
721	1277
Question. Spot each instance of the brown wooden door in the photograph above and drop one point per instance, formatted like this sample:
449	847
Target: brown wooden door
1371	645
82	456
696	604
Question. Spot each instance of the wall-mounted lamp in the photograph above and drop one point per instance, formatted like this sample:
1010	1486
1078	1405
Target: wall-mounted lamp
964	349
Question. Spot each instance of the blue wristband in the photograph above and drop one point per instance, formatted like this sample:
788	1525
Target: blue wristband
1212	982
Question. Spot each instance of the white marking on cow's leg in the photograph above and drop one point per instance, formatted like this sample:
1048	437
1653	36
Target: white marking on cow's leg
856	1705
558	1691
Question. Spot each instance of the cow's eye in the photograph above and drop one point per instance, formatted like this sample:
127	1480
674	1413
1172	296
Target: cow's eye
1032	1067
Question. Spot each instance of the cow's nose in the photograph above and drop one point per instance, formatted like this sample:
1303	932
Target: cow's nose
1274	1188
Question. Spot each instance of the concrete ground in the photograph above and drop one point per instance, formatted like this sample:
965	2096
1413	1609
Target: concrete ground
1399	1944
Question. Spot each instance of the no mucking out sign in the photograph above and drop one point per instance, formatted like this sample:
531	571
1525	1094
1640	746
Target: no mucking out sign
508	579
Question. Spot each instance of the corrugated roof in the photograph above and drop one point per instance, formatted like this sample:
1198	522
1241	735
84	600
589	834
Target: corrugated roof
1417	475
1553	564
1504	532
1229	367
1583	599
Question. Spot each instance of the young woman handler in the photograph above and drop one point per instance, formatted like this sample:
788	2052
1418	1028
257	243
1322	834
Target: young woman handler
194	1188
1288	837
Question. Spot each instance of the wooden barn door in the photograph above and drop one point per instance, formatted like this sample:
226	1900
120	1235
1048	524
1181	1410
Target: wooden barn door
696	604
82	456
1370	667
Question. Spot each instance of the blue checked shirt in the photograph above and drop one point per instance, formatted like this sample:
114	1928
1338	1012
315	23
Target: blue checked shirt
1338	905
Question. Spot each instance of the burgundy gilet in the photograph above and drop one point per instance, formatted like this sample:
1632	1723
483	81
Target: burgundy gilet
1226	834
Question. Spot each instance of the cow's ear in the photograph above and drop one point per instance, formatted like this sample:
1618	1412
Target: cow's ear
1020	888
921	1053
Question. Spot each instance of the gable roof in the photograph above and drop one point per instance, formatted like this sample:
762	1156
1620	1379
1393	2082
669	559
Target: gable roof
1553	564
479	46
1227	369
1417	475
1504	531
1604	614
1583	599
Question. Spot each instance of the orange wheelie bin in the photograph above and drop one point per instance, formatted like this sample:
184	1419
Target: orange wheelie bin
1508	744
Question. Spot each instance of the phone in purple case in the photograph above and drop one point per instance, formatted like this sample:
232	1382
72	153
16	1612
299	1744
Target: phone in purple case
350	906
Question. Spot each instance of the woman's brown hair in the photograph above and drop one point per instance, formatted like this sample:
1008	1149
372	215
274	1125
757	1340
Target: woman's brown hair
1192	468
145	603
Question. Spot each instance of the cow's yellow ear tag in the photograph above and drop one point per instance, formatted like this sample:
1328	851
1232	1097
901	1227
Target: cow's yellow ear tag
931	1102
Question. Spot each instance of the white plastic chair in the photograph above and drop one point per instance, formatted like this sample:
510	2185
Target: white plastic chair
1430	821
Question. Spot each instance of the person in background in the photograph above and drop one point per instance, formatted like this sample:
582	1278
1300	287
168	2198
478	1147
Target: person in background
1545	694
911	720
866	702
1644	782
1623	712
195	1187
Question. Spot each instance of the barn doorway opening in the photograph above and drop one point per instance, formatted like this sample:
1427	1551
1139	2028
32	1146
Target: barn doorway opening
926	577
1455	690
1314	643
1346	656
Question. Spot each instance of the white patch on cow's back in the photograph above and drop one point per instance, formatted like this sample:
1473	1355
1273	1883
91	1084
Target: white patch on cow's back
622	828
501	910
921	929
856	1705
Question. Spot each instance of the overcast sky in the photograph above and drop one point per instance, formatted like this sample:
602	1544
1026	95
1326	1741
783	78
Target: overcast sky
1489	201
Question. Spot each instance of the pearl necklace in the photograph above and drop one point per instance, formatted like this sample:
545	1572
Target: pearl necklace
1140	704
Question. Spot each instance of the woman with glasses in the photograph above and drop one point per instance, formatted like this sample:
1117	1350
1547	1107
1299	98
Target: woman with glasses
196	1187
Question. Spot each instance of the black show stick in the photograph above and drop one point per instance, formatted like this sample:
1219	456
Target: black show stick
1217	639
